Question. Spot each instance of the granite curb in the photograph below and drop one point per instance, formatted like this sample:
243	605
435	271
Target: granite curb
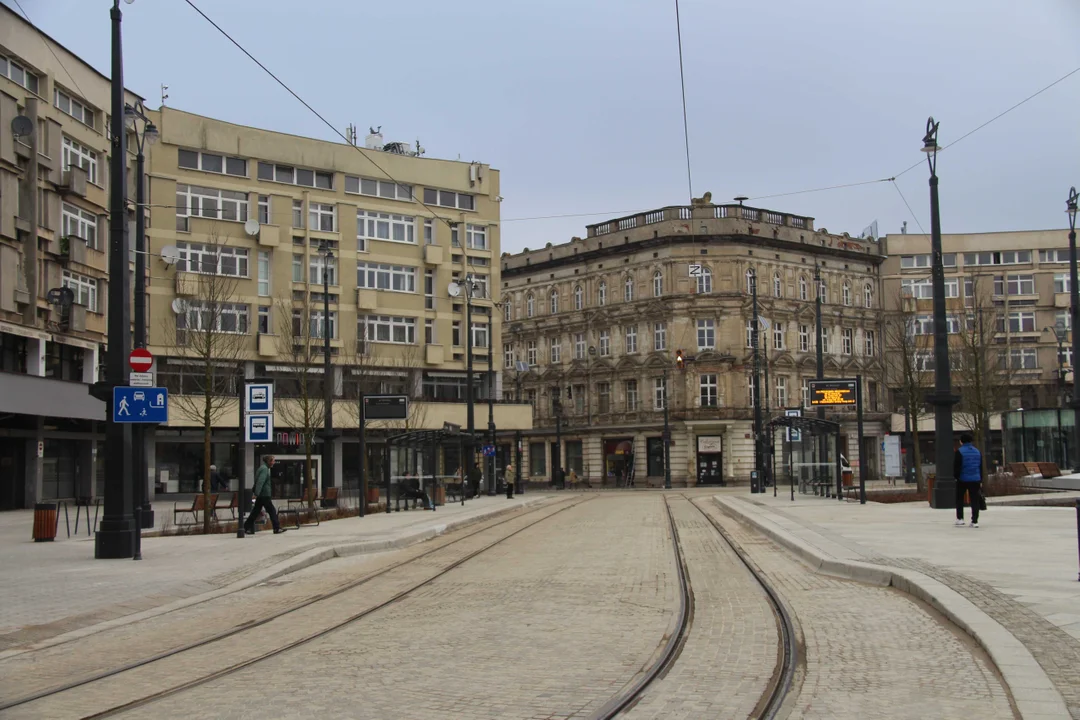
1035	695
293	564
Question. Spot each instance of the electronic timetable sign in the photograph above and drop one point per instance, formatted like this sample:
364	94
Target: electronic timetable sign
832	392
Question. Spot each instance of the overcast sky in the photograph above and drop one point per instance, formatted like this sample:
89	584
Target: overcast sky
577	101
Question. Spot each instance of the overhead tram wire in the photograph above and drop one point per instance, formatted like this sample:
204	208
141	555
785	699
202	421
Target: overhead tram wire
682	83
47	44
434	214
913	215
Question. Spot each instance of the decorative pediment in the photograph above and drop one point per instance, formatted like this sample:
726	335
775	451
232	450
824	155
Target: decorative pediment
657	360
627	361
784	359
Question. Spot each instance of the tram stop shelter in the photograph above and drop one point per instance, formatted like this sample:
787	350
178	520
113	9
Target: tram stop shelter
814	437
422	464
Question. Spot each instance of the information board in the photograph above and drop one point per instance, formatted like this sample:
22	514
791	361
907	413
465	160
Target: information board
832	392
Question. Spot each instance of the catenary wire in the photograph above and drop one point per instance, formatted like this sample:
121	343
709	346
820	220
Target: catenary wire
913	215
435	215
682	82
47	44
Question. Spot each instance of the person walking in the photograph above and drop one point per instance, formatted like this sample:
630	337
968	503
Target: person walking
216	481
262	498
968	471
508	480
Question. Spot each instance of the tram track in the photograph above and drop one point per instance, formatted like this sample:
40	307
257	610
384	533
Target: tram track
206	642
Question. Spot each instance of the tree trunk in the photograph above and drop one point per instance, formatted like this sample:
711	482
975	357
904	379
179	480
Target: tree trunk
916	456
207	430
308	479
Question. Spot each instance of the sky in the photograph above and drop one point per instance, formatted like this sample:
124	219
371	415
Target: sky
578	103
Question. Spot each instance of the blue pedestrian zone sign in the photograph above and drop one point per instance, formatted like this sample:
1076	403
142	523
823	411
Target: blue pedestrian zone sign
489	451
140	405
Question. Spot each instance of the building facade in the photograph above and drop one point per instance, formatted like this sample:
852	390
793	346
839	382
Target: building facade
54	227
1007	296
599	320
241	222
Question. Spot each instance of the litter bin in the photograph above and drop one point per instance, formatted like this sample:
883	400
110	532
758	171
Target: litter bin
439	494
44	522
931	479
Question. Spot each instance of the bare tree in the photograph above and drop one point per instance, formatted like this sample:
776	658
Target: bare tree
211	336
905	369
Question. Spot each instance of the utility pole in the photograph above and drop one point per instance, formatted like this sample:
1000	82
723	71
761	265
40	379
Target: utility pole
667	435
1074	316
821	440
755	480
328	375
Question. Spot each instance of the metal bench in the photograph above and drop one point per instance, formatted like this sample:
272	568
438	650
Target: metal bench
198	505
306	503
231	507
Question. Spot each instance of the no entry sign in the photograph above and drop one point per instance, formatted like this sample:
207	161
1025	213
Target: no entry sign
140	359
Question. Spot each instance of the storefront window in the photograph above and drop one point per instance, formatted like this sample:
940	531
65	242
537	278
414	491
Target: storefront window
656	457
575	457
537	459
180	465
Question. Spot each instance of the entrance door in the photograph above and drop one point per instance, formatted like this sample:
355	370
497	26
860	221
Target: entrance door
12	474
289	477
710	468
556	463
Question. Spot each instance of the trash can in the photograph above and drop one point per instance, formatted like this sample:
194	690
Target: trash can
44	522
848	477
931	479
439	495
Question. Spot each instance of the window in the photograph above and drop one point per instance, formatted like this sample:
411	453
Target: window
603	397
803	292
909	262
316	324
530	349
388	329
1006	257
264	273
579	297
480	335
1018	322
804	338
628	289
778	336
80	223
657	284
85	289
924	324
209	162
537	459
508	356
215	317
429	231
751	281
530	305
868	336
847	340
212	260
429	331
322	217
18	74
1022	359
579	346
448	198
298	213
846	294
824	339
264	209
781	392
751	326
476	237
75	108
508	311
704	281
708	390
631	395
579	407
1061	283
605	343
751	388
823	291
194	201
555	347
777	285
924	360
923	289
659	393
806	393
385	226
377	188
1014	284
296	176
398	278
631	339
1066	357
429	289
601	294
1063	319
554	301
317	265
264	320
74	153
868	295
706	334
660	336
298	268
1059	255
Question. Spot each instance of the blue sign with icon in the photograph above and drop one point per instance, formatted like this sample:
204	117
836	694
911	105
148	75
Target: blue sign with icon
489	451
140	405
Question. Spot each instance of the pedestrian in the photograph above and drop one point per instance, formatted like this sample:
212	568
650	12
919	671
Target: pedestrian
573	479
968	471
508	478
262	497
216	482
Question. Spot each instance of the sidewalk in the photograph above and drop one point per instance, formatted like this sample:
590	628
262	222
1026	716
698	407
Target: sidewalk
58	587
1011	583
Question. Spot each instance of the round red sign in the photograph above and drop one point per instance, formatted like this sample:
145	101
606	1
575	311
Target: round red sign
140	360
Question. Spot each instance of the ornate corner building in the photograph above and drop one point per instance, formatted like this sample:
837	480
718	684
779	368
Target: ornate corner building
599	321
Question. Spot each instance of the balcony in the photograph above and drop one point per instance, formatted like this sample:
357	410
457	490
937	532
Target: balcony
268	345
433	354
366	299
433	255
73	249
74	182
187	284
73	318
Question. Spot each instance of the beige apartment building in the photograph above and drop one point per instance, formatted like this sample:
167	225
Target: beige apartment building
401	228
598	320
1018	284
54	174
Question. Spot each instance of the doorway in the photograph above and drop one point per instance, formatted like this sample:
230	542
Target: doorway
12	474
289	476
710	460
556	465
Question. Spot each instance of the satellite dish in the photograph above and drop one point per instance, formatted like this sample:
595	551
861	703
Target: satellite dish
170	255
251	227
21	126
62	296
454	290
179	306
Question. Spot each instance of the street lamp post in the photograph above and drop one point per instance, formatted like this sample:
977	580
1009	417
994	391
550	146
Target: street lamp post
1060	334
470	399
667	434
491	417
115	537
521	367
820	444
755	480
943	398
148	136
328	373
1074	317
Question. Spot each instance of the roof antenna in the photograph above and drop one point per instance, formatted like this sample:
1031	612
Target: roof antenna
164	94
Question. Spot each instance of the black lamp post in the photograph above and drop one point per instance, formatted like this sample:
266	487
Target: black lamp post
470	395
943	398
755	480
1074	317
148	136
667	433
491	415
328	372
1060	333
821	441
521	367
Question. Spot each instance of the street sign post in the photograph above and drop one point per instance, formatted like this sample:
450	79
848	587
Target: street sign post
259	398
794	435
489	451
259	428
386	407
141	379
140	360
140	405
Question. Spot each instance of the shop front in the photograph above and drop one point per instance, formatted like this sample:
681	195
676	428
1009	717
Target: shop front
710	460
618	461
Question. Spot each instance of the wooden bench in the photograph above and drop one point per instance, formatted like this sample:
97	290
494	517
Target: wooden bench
198	505
231	507
304	504
1049	470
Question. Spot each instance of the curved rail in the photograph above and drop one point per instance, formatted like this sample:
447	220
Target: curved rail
270	618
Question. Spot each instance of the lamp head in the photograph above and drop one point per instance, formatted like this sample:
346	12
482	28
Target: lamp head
1071	204
151	134
930	144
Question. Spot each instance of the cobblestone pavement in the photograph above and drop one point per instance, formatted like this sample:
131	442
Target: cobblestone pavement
549	624
730	651
873	652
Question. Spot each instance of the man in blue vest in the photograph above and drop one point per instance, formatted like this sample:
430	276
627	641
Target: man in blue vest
968	471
